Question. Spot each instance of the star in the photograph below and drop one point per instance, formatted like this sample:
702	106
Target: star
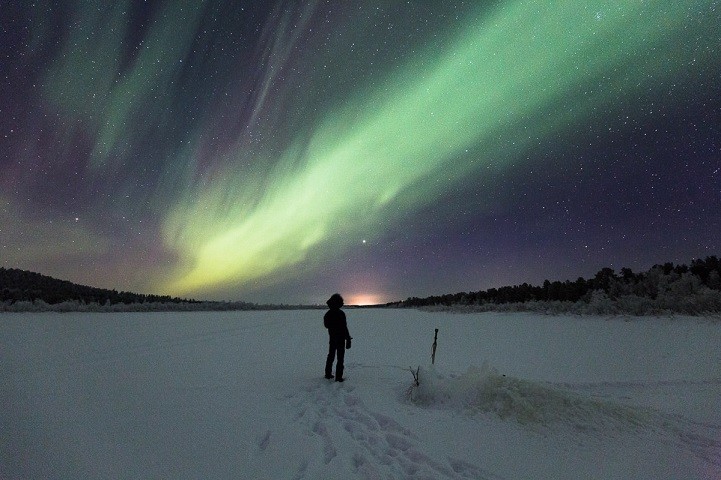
220	151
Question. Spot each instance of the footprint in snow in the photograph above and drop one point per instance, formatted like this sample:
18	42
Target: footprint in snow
374	445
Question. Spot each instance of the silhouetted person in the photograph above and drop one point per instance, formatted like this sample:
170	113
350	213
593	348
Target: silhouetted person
339	338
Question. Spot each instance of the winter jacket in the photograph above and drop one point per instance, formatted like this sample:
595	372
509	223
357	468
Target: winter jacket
334	320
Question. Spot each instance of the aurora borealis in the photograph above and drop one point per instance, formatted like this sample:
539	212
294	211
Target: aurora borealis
279	153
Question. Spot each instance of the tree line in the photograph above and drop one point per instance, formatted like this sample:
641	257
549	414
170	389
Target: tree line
665	285
23	286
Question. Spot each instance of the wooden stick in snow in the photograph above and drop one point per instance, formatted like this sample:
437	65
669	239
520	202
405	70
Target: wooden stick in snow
435	344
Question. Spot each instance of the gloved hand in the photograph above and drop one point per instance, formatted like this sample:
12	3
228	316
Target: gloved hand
347	344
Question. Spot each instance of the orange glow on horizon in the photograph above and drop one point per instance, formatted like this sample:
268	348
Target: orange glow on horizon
364	299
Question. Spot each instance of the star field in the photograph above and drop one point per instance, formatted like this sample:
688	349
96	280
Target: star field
278	152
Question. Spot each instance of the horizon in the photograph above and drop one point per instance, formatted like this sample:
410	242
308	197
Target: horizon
372	301
269	152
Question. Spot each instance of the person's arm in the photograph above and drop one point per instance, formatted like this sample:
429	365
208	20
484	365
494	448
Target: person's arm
345	326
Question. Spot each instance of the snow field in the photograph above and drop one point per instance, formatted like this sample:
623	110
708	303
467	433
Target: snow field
241	395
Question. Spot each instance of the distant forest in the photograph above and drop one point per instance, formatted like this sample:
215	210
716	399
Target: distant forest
20	285
690	289
23	291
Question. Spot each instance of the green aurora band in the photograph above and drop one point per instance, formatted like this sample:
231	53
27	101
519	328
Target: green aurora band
522	73
501	82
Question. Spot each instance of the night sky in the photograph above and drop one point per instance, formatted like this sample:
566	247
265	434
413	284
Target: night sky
239	150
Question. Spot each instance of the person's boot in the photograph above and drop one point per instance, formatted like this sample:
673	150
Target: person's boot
329	366
339	371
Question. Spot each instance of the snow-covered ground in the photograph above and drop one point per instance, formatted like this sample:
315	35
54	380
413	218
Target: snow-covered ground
241	395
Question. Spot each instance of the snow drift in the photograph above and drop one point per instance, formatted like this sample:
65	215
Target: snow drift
484	390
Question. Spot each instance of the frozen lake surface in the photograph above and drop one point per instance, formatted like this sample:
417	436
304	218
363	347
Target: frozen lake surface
242	395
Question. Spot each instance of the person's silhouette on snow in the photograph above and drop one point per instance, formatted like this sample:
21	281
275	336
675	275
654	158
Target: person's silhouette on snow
339	338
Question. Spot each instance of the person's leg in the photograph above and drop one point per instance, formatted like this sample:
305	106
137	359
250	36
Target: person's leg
340	348
329	361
